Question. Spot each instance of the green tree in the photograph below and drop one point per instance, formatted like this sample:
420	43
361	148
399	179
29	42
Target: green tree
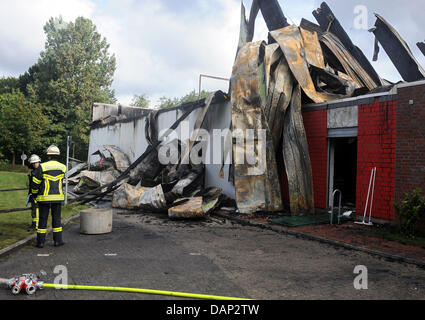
165	102
7	85
22	125
75	70
141	101
193	96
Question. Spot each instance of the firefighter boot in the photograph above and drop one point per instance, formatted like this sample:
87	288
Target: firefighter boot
57	239
41	239
33	227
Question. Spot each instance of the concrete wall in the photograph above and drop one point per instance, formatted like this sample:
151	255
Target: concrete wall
343	118
130	136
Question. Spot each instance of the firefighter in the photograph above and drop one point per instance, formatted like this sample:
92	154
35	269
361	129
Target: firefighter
47	190
34	164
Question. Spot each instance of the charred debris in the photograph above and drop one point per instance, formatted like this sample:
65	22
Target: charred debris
271	81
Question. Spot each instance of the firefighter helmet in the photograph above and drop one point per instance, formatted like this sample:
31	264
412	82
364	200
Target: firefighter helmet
53	151
34	159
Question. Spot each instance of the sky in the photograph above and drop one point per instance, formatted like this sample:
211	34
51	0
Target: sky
162	46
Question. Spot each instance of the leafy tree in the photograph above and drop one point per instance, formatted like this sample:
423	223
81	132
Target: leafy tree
22	124
193	96
7	85
141	101
165	102
73	71
27	78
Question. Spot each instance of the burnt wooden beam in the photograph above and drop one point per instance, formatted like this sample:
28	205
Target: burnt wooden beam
273	14
421	46
328	22
398	51
311	26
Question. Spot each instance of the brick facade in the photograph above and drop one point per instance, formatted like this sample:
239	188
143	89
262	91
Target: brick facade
316	126
376	148
410	144
391	137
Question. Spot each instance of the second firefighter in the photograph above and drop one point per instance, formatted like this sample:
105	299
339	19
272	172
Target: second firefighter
47	189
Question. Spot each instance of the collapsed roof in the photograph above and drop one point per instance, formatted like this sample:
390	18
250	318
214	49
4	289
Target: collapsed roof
271	81
298	65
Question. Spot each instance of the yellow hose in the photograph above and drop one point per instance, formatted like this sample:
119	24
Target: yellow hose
146	291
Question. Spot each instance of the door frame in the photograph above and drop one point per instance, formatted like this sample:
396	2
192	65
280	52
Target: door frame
333	135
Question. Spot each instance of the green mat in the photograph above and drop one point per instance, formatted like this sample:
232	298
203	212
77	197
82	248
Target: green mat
310	220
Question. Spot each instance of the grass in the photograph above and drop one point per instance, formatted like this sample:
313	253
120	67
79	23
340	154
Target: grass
7	167
14	225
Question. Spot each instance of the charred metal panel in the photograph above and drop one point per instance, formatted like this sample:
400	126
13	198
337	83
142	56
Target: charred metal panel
273	14
129	136
398	51
328	22
127	197
257	186
313	51
310	26
279	91
247	27
121	160
297	159
351	66
421	46
292	44
219	118
190	208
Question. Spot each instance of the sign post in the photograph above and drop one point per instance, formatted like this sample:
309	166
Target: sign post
68	145
23	158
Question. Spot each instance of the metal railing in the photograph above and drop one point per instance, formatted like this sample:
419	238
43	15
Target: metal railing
15	209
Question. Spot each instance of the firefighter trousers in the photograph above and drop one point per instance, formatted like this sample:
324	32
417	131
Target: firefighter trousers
34	213
56	209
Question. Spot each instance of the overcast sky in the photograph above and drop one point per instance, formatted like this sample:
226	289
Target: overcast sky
162	46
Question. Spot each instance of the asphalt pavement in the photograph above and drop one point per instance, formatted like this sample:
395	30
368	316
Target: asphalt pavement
215	257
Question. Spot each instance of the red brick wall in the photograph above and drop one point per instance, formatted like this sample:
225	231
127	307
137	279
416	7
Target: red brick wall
376	148
410	154
410	146
316	126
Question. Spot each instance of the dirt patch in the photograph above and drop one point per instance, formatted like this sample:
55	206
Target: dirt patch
349	233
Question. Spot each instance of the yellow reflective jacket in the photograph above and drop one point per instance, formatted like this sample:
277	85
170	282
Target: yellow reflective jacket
47	182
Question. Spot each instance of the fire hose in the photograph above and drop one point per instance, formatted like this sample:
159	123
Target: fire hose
29	283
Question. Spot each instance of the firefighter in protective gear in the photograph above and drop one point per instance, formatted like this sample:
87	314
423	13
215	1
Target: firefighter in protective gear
47	190
34	164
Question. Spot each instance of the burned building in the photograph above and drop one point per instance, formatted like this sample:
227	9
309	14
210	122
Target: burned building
328	119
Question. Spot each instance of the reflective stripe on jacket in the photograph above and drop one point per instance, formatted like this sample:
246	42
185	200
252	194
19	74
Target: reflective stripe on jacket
47	182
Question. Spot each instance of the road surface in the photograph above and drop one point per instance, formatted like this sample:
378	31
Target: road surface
215	257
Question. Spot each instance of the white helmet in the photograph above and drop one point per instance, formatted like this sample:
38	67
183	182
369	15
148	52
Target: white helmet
53	151
34	159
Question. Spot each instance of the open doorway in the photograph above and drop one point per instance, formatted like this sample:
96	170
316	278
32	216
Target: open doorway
343	170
